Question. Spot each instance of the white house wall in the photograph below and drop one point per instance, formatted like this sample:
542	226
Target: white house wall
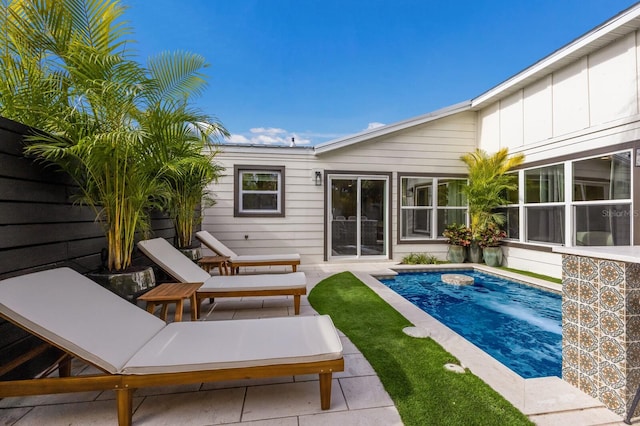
300	231
592	102
434	147
586	105
538	122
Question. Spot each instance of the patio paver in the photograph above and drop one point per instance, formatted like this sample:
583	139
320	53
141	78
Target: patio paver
358	397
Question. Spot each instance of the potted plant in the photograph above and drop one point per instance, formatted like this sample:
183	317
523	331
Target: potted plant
90	121
179	141
487	183
459	238
489	239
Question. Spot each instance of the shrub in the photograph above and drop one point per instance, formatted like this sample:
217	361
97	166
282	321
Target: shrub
458	235
420	259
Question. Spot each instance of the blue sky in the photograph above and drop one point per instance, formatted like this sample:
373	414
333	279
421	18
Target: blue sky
318	70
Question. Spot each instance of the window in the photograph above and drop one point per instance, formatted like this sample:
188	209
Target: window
544	204
582	202
596	183
429	204
259	191
511	211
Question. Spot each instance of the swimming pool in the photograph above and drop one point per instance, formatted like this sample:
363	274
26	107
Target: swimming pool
519	325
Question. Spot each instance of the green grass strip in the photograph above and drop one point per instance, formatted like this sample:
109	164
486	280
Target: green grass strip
410	369
533	275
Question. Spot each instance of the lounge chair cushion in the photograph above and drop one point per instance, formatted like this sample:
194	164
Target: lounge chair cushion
266	258
71	311
171	260
214	244
90	322
193	346
254	282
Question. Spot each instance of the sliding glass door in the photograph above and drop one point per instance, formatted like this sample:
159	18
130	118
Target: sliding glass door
358	216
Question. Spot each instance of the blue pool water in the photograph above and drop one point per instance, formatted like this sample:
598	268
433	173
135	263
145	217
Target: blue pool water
519	325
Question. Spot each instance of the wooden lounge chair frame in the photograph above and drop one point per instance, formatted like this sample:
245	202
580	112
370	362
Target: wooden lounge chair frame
125	383
295	292
237	261
184	270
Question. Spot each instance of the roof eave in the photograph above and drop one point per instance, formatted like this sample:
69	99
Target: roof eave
620	25
391	128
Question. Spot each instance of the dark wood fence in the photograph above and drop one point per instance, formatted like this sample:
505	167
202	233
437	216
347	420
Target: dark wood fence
40	228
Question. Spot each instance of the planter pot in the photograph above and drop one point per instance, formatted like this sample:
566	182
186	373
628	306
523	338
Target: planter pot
492	256
456	254
475	253
194	253
127	284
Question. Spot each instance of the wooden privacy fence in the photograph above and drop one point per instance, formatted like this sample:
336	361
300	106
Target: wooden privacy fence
40	228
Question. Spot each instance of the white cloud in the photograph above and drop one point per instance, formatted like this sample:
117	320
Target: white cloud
374	125
270	136
238	139
267	130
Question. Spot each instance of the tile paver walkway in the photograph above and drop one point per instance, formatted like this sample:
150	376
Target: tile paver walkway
358	397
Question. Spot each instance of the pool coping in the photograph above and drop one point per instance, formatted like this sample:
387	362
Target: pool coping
534	397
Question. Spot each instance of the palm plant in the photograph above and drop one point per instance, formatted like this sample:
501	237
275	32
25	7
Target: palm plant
178	136
488	181
70	75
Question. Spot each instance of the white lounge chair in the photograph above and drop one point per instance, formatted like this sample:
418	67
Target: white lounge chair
185	270
134	349
236	261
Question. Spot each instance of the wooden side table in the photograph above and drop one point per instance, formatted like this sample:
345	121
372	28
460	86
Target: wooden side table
172	293
208	262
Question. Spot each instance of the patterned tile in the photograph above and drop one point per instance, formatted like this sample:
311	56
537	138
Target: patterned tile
588	340
611	376
570	334
588	365
633	380
588	269
601	329
632	304
610	324
633	354
570	311
611	350
632	275
588	317
570	266
570	375
570	356
612	300
613	400
588	293
587	385
611	273
570	289
633	328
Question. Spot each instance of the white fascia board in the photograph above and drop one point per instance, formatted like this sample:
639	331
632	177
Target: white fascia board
262	149
391	128
618	26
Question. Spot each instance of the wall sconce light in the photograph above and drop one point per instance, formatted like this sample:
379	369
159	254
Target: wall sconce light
318	178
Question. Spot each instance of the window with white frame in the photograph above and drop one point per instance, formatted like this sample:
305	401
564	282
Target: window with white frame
429	204
259	191
601	207
545	204
511	211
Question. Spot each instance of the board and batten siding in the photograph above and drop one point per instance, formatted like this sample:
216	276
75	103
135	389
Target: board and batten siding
433	147
588	104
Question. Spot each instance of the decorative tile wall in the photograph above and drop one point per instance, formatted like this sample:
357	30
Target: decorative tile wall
601	329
